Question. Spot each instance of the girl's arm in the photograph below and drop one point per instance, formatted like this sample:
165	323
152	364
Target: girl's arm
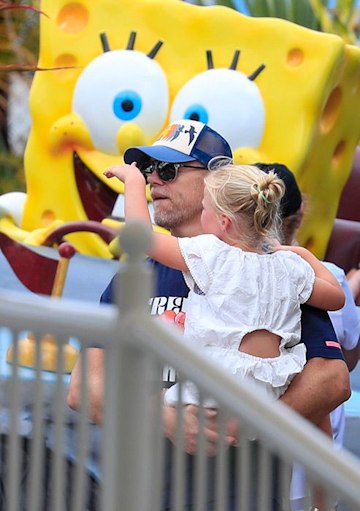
164	249
327	293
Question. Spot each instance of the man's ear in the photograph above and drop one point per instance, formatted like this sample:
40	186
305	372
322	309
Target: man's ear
302	210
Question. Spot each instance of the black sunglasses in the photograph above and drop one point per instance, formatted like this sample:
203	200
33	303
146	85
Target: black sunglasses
166	171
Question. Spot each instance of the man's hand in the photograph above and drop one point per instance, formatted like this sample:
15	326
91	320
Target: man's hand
192	431
308	395
95	372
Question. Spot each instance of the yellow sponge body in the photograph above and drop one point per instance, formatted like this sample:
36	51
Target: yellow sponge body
310	89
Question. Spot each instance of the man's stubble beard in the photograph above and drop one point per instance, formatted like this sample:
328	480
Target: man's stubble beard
174	217
181	209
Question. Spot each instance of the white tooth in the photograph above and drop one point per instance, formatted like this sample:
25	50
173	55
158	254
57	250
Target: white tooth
119	208
12	204
151	211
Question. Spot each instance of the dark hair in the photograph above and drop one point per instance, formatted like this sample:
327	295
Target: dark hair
292	199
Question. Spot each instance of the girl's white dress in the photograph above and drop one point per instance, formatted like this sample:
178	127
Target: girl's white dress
232	293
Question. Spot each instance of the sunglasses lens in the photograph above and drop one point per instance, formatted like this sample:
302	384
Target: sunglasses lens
166	171
146	169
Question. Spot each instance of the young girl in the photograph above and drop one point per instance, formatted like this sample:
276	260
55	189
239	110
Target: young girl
244	301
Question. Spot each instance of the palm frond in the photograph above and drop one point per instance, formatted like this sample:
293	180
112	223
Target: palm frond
8	6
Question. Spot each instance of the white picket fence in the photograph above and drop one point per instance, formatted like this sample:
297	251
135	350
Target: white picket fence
133	453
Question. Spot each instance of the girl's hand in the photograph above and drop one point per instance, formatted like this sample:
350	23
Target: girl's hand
122	172
276	247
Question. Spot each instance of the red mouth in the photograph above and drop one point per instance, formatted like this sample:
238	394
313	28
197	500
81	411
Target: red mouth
98	200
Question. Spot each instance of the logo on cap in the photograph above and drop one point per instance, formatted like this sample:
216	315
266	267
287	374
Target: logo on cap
181	136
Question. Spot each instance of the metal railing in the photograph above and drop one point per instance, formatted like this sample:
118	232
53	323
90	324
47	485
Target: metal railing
140	469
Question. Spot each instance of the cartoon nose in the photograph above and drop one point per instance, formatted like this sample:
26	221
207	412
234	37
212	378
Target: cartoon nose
129	135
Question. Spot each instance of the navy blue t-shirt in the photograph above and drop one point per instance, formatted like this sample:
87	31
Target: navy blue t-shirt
317	332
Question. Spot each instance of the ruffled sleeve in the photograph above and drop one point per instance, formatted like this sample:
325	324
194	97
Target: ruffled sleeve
304	276
202	255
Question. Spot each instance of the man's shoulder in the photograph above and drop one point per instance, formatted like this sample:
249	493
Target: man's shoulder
167	282
161	269
107	295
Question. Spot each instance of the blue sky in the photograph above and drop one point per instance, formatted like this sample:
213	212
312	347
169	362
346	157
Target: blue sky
241	5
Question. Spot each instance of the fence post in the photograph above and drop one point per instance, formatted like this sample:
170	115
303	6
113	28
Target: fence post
128	450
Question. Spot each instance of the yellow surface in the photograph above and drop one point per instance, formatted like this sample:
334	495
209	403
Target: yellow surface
310	91
48	357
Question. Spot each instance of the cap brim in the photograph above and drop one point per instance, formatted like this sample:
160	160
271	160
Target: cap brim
142	154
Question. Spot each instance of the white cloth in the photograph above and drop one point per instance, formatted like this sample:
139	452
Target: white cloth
346	323
232	293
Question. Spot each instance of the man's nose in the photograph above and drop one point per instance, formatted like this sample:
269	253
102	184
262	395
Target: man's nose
154	179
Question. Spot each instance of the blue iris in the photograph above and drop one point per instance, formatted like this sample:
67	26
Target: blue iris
127	105
197	113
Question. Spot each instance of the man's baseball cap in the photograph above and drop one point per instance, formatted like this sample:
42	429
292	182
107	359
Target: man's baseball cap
292	199
182	141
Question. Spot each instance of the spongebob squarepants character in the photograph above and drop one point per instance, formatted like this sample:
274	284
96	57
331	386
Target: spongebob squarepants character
121	71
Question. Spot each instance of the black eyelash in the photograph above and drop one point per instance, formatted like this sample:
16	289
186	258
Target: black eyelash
104	42
256	73
130	45
209	59
131	41
235	60
156	48
234	63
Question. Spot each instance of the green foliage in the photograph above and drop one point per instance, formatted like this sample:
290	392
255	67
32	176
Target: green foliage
299	12
205	3
342	19
11	171
19	35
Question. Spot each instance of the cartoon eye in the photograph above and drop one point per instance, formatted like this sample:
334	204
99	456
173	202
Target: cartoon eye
227	100
117	87
127	105
196	112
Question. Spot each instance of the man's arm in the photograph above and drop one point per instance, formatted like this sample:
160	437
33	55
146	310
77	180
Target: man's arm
322	386
308	394
95	379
